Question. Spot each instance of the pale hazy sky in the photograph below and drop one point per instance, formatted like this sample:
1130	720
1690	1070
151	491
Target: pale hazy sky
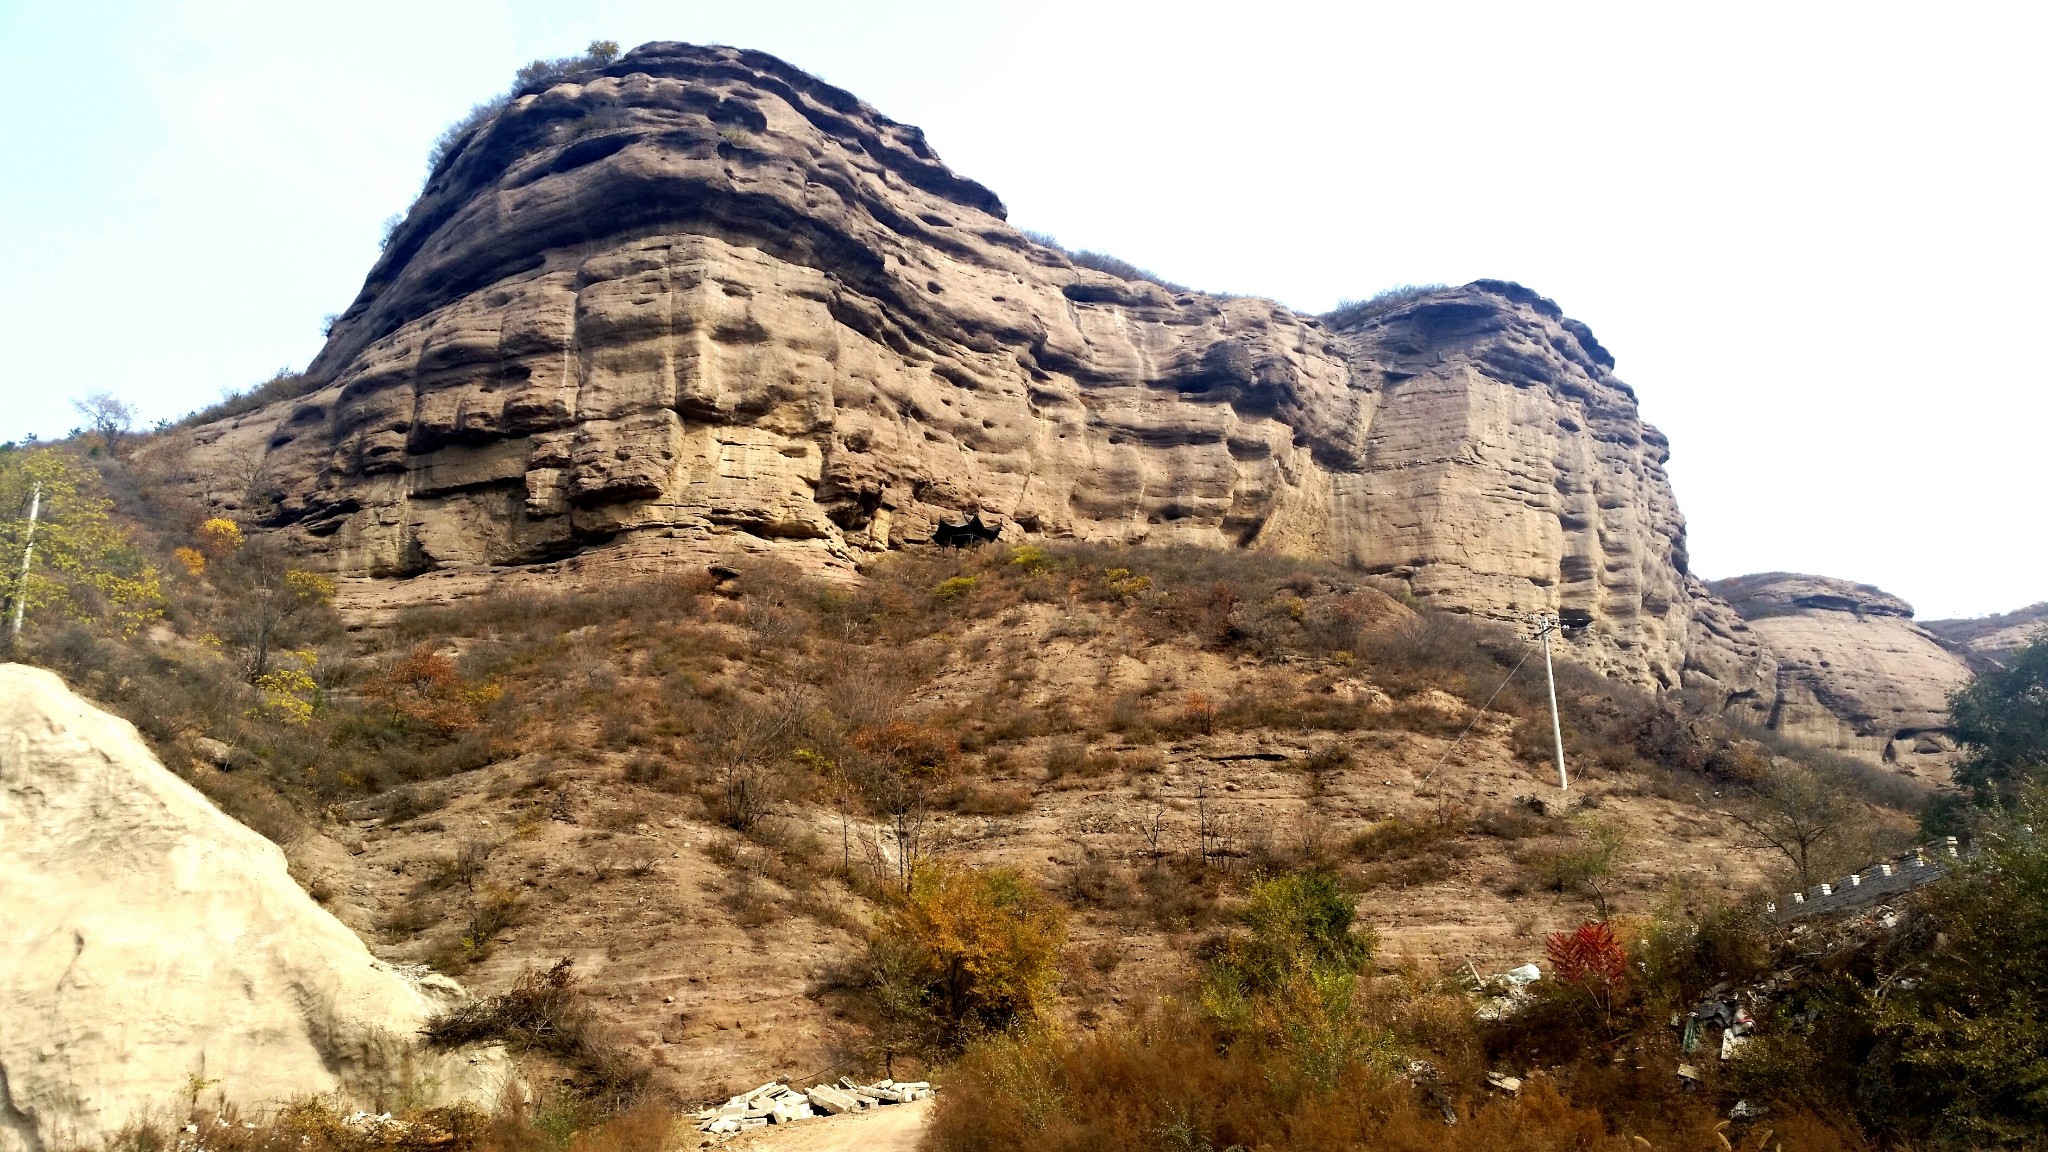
1811	234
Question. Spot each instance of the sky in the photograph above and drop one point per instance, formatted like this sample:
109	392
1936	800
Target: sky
1811	234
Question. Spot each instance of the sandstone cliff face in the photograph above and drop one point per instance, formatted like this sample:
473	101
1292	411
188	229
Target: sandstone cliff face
148	939
1854	672
696	303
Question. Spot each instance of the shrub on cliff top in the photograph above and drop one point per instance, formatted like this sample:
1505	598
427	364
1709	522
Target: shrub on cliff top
530	74
1349	313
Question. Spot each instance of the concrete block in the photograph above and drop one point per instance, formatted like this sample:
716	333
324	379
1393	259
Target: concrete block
832	1101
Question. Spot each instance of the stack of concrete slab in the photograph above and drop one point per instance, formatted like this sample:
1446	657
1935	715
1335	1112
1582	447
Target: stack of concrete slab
771	1103
1879	882
779	1103
889	1091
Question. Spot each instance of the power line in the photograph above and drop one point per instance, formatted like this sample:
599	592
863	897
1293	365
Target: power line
1475	717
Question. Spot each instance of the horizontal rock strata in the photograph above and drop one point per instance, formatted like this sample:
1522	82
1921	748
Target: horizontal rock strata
697	302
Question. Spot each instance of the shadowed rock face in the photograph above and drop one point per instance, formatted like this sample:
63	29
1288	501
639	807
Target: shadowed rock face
1854	672
698	303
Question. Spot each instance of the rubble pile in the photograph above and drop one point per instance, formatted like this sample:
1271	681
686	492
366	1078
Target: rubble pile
778	1102
1504	994
1719	1010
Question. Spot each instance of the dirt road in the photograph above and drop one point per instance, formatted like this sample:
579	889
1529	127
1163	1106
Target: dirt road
896	1128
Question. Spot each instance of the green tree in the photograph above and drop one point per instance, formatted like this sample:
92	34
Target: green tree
2001	718
1297	927
1288	977
1299	920
1969	1019
81	563
1587	867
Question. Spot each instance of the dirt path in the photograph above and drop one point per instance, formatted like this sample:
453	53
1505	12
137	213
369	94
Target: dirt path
896	1128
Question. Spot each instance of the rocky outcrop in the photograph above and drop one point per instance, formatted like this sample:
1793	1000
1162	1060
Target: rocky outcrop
1854	672
1985	642
696	303
150	943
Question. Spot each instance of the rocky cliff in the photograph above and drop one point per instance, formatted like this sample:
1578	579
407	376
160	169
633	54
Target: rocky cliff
1854	672
1985	642
150	942
696	303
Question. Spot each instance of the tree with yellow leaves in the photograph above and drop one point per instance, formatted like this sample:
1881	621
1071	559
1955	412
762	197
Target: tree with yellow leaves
965	953
270	601
61	552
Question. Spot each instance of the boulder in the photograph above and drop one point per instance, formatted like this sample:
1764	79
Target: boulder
150	944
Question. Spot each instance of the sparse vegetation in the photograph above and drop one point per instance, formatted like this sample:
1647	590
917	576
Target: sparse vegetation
1103	262
544	1013
837	743
533	74
284	384
1351	313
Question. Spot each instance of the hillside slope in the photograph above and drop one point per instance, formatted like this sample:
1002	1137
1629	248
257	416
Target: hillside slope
1984	641
1108	723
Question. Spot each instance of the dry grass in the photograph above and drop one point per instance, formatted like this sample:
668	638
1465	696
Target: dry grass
550	1123
1171	1081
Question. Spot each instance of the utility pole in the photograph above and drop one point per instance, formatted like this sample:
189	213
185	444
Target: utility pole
28	549
1545	624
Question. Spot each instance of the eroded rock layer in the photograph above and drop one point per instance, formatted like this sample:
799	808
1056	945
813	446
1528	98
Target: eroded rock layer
1854	672
150	943
1986	643
696	303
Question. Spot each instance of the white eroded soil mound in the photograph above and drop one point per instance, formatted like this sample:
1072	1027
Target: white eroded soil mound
147	939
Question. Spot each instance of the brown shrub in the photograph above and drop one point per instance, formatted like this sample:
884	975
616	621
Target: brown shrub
1402	853
545	1012
1179	894
425	687
1173	1081
978	798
